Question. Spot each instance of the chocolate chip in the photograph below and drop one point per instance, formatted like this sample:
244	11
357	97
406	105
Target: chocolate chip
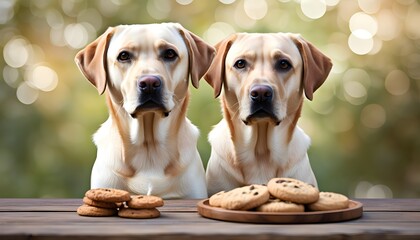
252	187
255	193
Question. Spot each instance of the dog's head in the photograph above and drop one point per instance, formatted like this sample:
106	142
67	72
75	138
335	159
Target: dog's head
145	67
265	75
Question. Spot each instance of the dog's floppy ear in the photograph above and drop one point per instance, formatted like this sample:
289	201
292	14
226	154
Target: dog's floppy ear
316	66
92	60
215	76
200	55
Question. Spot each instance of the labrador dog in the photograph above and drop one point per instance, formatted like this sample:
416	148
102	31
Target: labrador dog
147	145
264	77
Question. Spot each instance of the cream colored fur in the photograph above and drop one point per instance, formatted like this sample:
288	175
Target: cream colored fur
147	150
252	150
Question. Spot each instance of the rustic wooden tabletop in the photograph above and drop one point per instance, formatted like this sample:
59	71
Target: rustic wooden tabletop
57	219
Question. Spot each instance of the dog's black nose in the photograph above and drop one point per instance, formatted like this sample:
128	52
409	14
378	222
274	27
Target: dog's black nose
149	84
261	93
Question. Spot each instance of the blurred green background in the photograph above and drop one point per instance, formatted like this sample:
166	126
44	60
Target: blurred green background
364	121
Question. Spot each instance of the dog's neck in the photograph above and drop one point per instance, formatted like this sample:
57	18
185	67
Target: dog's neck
142	130
256	135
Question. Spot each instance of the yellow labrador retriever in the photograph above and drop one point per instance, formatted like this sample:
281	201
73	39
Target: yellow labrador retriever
264	77
147	145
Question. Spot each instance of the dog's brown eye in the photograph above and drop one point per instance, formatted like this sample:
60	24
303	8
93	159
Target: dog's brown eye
283	65
169	55
124	56
240	64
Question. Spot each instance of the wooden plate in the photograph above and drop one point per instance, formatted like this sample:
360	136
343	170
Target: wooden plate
355	210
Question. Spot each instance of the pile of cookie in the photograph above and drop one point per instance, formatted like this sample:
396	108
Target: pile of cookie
104	202
279	195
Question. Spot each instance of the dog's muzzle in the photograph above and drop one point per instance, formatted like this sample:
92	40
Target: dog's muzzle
261	97
150	88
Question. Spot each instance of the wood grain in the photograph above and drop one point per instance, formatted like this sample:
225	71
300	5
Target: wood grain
57	219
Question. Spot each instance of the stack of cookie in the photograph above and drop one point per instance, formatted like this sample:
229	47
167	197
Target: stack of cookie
279	195
141	206
104	202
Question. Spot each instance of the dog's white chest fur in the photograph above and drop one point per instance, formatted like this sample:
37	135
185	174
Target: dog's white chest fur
148	168
243	164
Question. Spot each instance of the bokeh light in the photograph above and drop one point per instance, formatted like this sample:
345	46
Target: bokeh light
313	9
388	27
362	21
397	82
54	19
360	42
255	9
16	52
6	11
356	83
184	2
363	28
11	76
412	22
42	78
227	1
217	31
331	3
373	116
366	189
26	94
77	35
370	6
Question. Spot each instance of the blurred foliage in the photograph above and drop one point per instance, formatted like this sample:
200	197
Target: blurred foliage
364	121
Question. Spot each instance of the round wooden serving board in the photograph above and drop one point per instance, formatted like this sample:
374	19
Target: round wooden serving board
355	210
